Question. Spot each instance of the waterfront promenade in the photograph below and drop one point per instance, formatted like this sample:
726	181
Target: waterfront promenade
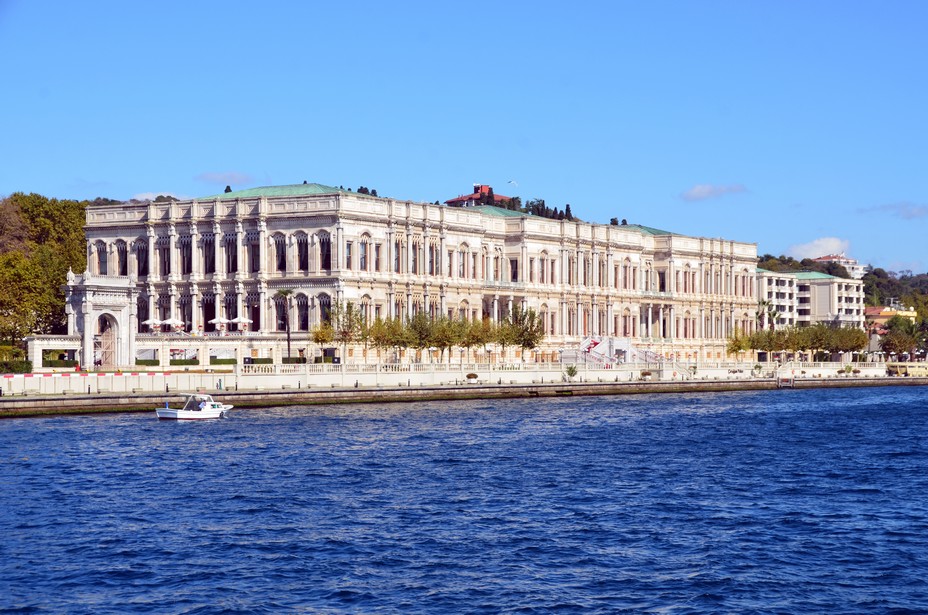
264	385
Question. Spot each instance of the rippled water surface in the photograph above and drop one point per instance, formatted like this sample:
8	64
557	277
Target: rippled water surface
787	501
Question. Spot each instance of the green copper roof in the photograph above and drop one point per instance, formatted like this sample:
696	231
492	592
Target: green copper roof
291	190
647	230
812	275
495	211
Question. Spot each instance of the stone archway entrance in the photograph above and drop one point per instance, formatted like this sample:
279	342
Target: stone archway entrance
104	343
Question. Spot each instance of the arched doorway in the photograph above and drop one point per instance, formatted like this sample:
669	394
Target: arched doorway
104	343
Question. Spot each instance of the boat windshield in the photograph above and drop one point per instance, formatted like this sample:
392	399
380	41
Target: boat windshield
194	401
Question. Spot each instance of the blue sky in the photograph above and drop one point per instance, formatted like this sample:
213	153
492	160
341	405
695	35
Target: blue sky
800	126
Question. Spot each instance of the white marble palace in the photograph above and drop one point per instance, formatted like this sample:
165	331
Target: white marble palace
213	267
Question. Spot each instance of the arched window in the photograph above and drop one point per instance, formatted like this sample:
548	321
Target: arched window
366	310
122	258
281	311
253	249
325	251
325	308
363	251
230	305
209	253
141	257
230	243
302	250
253	311
185	311
302	313
141	310
186	254
100	249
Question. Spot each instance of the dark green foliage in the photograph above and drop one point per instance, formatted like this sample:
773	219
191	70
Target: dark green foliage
217	361
884	287
59	363
40	239
788	263
16	367
185	362
148	362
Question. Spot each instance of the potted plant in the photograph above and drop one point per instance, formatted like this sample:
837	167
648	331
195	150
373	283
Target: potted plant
471	378
571	371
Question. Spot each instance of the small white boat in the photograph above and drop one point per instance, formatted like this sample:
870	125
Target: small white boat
198	406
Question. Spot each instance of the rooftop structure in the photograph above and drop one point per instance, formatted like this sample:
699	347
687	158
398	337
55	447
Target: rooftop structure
482	195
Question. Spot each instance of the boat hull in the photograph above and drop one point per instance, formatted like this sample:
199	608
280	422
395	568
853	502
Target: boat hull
171	414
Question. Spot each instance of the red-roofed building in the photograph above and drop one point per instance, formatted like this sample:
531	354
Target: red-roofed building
853	267
481	196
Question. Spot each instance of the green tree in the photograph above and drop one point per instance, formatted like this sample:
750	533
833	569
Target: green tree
528	327
444	334
346	323
819	336
323	334
473	335
49	234
898	342
506	334
738	343
797	338
20	290
420	331
849	339
379	336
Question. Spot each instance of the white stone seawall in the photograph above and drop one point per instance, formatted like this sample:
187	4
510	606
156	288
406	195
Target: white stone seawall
280	377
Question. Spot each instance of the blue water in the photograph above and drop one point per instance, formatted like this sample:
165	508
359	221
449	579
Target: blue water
783	502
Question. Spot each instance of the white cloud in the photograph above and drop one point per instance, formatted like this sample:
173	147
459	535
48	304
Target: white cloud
231	178
819	247
701	192
906	211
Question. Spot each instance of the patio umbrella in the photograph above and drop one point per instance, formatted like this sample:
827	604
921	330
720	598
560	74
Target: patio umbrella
241	319
151	322
219	320
173	322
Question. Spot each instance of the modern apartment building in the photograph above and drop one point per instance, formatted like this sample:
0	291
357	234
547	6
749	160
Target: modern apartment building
807	297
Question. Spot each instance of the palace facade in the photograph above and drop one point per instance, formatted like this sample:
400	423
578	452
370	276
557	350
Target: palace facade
216	265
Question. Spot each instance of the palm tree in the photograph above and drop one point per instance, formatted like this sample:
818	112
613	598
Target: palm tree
284	295
766	311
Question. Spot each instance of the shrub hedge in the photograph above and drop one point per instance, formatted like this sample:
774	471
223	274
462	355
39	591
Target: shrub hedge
16	366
